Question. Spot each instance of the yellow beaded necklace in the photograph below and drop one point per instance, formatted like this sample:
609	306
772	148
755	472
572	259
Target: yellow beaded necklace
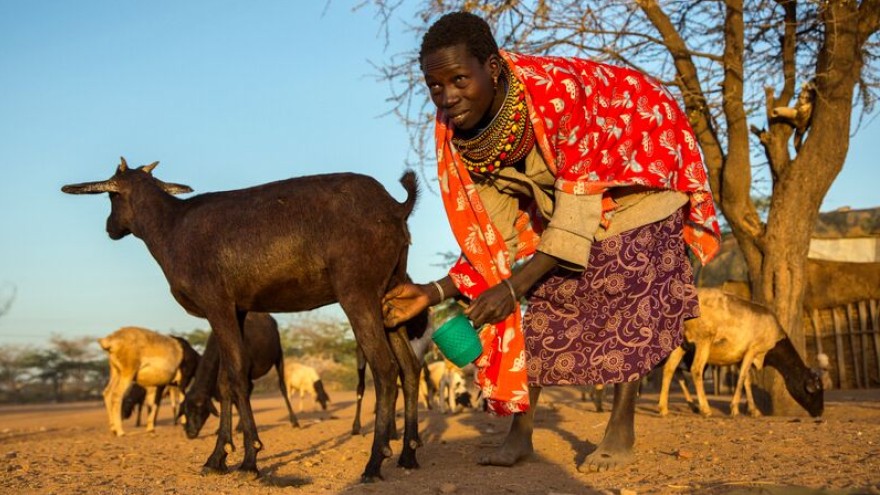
507	139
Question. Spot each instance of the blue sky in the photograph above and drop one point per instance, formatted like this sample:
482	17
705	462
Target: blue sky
225	94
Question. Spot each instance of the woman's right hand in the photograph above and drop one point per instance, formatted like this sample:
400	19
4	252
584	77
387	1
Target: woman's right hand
404	302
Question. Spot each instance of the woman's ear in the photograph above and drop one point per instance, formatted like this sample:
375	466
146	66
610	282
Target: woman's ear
493	65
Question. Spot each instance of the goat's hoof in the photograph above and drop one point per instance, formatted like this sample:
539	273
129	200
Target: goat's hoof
408	462
247	473
755	413
367	478
212	470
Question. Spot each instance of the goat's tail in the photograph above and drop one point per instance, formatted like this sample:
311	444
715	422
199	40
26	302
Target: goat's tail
408	181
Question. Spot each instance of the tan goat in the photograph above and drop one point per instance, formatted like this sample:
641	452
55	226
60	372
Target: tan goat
733	330
305	380
150	359
449	382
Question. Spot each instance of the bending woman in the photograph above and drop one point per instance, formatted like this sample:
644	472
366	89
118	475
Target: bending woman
591	177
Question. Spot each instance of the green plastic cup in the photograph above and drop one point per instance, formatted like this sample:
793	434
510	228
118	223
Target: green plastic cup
458	341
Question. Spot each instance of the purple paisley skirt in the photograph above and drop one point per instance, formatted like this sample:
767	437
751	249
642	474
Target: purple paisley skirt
613	322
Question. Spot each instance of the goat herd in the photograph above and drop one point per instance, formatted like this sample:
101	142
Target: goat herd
302	243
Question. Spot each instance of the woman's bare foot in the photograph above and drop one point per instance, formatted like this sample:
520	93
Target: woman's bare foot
616	448
605	458
517	446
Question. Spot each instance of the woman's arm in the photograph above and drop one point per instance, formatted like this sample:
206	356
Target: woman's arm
497	303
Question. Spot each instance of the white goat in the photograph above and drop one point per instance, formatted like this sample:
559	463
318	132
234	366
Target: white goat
448	381
305	380
150	359
733	330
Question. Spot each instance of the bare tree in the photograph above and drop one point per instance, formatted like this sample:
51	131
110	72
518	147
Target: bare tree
7	295
73	368
770	87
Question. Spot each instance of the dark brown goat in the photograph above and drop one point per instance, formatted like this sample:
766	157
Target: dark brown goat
285	246
263	345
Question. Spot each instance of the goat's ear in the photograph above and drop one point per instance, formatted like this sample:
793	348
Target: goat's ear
91	187
172	188
149	168
123	165
811	387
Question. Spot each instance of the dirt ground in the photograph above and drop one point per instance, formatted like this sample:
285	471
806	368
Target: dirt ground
68	449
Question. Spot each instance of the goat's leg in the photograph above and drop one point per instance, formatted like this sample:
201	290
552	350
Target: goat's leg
668	372
112	383
682	383
361	385
279	368
234	363
122	385
216	463
365	315
597	393
701	357
410	370
747	384
174	394
748	357
153	396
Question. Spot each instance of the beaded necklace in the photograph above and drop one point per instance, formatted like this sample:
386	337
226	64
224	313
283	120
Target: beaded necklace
507	139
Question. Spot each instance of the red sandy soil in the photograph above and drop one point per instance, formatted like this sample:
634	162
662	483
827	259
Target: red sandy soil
68	449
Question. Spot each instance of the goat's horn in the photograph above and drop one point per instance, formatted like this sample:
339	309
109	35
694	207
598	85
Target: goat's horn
123	165
172	188
91	187
149	168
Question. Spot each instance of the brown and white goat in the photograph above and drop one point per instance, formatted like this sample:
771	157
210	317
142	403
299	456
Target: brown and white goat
148	358
263	346
291	245
733	330
305	380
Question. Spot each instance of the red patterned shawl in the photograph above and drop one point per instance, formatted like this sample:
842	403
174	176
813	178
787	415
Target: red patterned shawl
597	126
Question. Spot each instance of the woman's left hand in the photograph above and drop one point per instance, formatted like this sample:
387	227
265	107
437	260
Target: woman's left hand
492	306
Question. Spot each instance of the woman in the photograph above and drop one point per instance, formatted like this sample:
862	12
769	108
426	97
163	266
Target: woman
588	174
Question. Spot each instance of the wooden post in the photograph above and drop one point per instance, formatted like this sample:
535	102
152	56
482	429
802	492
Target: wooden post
875	330
838	344
863	340
817	330
857	369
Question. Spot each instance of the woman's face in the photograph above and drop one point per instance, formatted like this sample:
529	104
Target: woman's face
462	87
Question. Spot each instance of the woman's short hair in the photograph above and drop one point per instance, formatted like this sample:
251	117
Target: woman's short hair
458	28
